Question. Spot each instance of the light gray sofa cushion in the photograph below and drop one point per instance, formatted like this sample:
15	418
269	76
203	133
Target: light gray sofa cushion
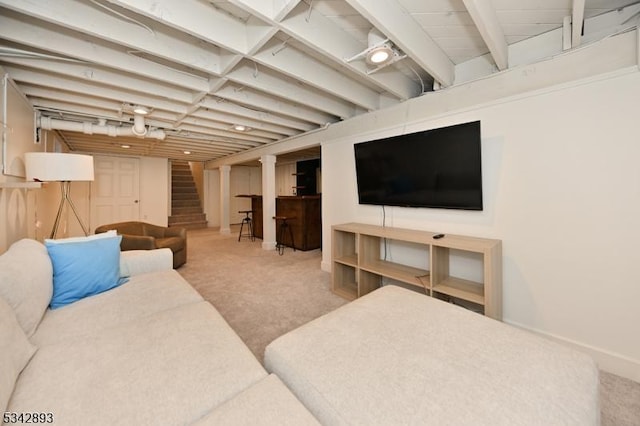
142	296
26	282
136	262
15	352
126	373
398	357
267	403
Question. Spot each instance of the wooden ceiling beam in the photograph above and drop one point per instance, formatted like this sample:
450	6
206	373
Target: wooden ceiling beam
323	36
486	21
577	22
64	43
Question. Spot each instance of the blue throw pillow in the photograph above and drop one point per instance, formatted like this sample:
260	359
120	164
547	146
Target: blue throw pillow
83	268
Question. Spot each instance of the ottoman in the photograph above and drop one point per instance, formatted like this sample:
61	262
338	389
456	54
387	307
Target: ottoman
399	357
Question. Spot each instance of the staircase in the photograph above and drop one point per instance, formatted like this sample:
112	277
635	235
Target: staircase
186	209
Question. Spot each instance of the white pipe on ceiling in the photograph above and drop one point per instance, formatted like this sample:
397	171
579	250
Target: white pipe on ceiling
138	129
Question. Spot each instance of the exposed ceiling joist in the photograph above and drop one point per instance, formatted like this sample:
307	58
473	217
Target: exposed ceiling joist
280	68
54	94
318	32
486	20
79	87
60	42
393	21
135	35
262	102
262	79
577	22
196	18
291	62
102	76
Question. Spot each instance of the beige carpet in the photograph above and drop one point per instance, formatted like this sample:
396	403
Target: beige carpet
263	295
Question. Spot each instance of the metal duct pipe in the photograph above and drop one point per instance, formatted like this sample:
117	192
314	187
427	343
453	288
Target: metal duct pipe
88	128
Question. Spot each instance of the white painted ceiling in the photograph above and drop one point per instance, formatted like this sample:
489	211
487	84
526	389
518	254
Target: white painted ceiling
279	67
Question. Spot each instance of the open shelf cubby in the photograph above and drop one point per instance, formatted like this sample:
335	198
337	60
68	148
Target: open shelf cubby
359	268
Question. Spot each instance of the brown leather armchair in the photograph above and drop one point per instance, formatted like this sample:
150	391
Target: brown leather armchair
146	236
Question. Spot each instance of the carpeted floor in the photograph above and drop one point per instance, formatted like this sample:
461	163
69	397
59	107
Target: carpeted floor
263	295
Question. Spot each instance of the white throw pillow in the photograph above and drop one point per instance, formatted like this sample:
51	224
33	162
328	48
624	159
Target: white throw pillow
26	282
15	353
108	234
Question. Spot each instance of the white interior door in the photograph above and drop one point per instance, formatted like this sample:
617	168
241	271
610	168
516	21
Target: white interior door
116	190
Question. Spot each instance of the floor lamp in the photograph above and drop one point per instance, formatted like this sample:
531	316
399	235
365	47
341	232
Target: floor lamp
63	168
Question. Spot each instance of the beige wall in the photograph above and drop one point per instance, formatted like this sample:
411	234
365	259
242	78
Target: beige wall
561	190
18	206
30	213
243	180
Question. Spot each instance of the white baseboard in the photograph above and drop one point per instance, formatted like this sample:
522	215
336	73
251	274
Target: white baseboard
608	361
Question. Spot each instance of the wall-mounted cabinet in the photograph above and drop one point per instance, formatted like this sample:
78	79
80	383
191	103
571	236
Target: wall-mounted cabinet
359	265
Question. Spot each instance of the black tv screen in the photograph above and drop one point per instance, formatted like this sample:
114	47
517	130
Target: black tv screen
439	168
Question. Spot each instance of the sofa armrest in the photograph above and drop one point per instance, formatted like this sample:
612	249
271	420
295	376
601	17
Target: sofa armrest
176	231
137	242
136	262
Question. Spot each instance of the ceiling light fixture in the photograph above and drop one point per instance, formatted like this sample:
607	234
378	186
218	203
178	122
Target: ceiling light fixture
380	54
139	109
187	152
125	146
240	127
380	51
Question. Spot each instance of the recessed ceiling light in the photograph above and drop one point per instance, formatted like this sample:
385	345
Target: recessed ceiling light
187	152
139	109
125	146
380	54
240	127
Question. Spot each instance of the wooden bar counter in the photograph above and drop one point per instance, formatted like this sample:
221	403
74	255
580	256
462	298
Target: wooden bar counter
305	218
304	215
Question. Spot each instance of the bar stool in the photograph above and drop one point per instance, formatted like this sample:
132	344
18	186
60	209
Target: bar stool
282	230
246	220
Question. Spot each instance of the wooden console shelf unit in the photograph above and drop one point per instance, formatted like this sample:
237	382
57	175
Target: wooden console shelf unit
357	267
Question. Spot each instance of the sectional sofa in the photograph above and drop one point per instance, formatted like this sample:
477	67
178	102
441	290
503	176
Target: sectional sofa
144	348
150	351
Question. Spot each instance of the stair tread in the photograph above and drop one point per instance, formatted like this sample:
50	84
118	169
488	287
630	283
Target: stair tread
186	207
184	217
185	203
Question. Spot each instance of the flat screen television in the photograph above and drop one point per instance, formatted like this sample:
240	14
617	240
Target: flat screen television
438	168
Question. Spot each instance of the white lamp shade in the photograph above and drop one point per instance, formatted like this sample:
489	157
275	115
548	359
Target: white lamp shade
54	166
